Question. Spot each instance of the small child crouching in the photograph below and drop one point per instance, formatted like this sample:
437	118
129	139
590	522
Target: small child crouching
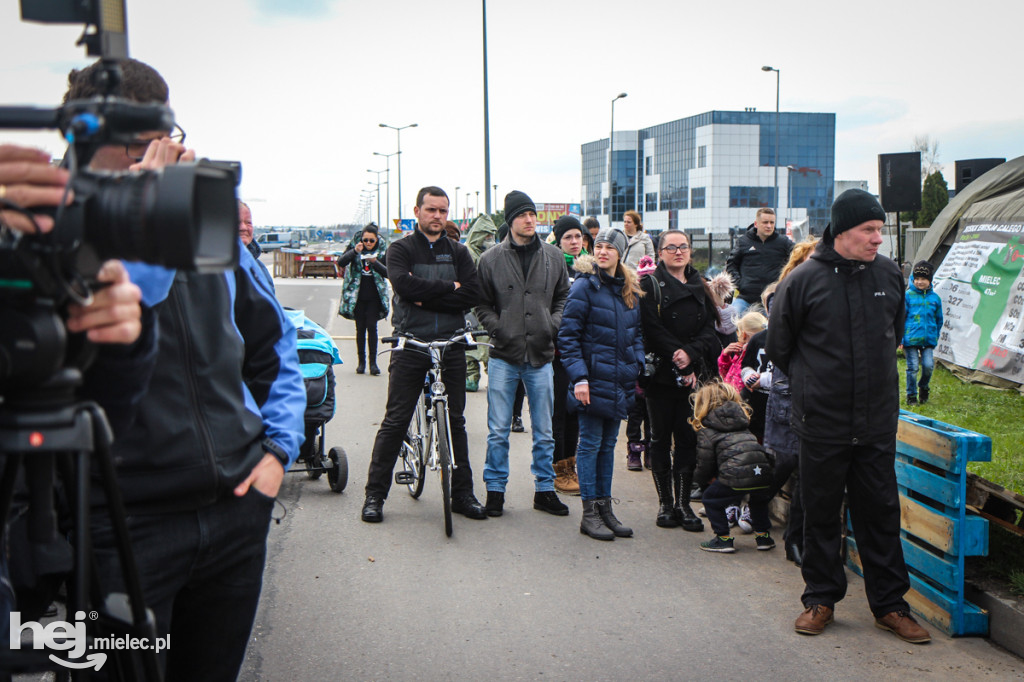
730	458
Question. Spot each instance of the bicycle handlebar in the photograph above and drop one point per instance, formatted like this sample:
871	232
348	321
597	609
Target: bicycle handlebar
466	335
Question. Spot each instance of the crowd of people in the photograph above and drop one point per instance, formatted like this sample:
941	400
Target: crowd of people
599	326
782	370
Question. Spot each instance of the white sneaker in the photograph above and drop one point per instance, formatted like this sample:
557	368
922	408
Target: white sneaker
732	514
744	521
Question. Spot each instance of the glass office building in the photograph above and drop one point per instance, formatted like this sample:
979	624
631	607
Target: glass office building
709	173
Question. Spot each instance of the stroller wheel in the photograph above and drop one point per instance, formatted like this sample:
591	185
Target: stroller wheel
337	475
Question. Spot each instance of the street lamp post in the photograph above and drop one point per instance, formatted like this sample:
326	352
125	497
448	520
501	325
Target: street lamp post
398	130
457	188
477	211
467	201
378	183
611	148
387	163
777	78
495	198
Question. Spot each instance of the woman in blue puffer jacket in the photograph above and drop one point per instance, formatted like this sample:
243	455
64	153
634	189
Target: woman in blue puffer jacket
603	353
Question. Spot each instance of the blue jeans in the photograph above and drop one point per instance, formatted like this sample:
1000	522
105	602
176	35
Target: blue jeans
595	455
918	355
502	379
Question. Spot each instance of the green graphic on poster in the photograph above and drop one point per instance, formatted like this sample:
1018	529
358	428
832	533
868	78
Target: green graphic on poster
981	284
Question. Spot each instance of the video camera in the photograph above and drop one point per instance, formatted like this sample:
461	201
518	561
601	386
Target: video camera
184	216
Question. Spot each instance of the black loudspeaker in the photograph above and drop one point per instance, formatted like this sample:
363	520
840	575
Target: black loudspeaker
899	181
972	169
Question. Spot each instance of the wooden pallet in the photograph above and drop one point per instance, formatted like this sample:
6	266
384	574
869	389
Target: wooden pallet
938	531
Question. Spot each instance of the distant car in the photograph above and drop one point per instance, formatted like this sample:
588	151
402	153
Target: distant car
271	241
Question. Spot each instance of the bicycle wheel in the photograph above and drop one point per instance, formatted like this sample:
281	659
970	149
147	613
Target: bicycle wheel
413	454
444	460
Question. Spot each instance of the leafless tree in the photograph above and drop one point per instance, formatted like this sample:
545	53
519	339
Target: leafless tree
929	148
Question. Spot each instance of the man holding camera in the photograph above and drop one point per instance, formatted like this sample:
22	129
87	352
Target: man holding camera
221	422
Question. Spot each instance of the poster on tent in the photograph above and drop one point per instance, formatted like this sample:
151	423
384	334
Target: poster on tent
981	284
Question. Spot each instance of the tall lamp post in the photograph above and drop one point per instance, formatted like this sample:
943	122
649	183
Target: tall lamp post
611	148
378	183
478	201
777	78
398	130
467	201
457	188
387	165
495	198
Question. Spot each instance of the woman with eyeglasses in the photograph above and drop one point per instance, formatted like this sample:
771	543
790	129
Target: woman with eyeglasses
364	293
679	316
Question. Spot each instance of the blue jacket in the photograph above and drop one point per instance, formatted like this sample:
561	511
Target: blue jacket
924	317
226	389
600	341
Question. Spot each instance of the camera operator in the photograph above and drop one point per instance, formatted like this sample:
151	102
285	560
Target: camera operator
222	420
116	380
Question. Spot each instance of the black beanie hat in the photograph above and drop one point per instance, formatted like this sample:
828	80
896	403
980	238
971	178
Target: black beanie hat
517	202
923	268
563	225
850	209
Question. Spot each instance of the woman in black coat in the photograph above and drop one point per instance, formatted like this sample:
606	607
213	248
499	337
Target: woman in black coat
679	317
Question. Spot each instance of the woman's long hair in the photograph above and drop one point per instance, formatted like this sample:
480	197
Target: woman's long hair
631	291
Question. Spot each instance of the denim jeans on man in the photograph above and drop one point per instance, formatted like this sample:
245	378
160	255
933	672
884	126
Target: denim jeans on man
918	356
502	379
595	455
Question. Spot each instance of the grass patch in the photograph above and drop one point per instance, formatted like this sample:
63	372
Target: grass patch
993	413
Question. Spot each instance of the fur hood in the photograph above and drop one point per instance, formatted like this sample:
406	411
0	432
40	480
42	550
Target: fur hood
585	263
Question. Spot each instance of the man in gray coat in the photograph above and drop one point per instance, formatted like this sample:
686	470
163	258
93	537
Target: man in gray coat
523	286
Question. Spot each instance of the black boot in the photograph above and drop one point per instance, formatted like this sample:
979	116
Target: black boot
604	508
361	367
683	513
371	350
663	484
592	524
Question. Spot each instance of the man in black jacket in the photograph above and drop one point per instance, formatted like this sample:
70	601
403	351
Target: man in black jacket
757	259
221	422
835	325
434	280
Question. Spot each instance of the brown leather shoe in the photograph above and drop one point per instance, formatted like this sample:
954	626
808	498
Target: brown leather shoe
903	625
813	620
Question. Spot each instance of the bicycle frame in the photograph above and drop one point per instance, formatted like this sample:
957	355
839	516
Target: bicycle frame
429	434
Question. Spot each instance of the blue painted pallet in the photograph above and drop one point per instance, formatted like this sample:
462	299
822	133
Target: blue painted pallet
937	530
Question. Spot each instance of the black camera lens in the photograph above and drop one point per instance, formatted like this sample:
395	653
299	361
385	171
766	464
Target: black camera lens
183	216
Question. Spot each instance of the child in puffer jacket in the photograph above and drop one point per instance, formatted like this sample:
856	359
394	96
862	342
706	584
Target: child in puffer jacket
730	458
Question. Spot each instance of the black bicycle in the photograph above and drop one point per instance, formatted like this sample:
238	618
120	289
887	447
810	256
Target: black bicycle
428	442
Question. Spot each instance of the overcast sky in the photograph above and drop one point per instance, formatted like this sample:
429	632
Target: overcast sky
295	89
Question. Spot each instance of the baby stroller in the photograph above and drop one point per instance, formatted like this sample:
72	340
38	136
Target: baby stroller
317	355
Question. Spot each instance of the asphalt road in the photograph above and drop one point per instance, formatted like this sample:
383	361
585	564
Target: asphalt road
526	596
